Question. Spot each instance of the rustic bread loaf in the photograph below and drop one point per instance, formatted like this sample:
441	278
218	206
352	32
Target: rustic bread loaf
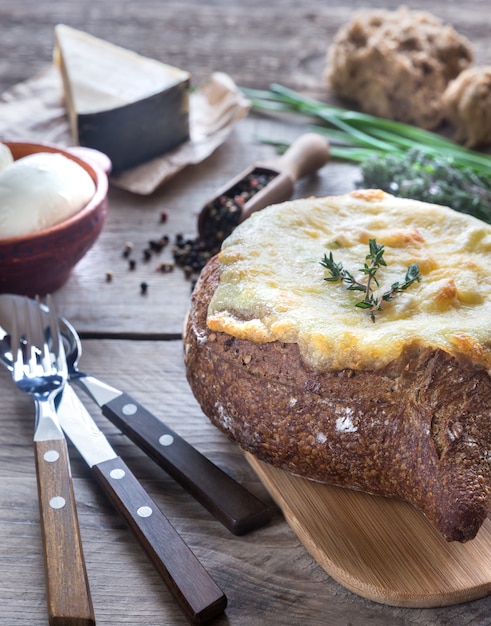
291	370
397	64
467	105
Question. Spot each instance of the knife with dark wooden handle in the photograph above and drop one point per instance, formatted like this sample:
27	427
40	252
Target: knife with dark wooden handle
234	506
198	595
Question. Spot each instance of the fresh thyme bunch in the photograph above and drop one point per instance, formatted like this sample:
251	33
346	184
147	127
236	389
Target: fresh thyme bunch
429	178
372	301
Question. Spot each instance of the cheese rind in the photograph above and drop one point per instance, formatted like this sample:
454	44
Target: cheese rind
128	106
272	285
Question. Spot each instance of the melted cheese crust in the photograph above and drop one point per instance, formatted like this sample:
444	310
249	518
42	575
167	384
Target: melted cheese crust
272	285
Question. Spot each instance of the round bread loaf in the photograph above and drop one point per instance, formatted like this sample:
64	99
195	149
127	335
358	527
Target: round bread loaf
394	402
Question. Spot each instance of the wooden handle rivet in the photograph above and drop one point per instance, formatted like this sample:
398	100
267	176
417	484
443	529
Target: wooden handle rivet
129	409
51	456
57	502
166	440
144	511
117	474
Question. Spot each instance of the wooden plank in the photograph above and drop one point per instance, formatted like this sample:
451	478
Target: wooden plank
269	576
256	44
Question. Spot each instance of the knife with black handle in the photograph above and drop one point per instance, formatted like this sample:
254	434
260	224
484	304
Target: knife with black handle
198	595
233	505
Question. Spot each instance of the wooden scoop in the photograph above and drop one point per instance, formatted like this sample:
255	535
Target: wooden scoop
243	195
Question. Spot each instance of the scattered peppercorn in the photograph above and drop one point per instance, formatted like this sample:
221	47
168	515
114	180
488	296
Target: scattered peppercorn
165	267
127	249
223	215
109	276
156	245
192	254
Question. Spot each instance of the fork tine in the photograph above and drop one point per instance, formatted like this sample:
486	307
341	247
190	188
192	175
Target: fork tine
56	338
31	337
36	318
15	345
14	332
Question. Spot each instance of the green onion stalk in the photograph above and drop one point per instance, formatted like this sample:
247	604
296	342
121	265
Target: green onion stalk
399	158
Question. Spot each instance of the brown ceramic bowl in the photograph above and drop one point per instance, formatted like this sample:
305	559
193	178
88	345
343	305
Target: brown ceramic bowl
41	262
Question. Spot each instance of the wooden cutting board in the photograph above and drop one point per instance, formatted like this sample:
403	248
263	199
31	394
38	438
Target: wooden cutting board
382	549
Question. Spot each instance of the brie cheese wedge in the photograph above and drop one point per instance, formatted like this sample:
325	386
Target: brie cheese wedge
130	107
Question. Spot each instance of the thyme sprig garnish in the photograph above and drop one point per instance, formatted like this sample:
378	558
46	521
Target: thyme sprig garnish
373	261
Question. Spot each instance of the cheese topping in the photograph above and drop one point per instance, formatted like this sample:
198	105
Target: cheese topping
272	285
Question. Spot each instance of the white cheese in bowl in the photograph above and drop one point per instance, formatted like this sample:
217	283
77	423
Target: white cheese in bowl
6	157
39	191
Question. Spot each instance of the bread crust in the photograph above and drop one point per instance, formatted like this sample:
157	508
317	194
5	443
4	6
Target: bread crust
417	429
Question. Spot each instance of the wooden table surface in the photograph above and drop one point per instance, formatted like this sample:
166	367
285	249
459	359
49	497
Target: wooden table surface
268	575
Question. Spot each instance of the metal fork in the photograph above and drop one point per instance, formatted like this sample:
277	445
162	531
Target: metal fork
39	368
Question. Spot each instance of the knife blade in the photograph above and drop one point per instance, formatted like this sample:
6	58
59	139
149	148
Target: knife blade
232	504
197	593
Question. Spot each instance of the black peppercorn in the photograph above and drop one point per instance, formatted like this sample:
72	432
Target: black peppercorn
127	249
